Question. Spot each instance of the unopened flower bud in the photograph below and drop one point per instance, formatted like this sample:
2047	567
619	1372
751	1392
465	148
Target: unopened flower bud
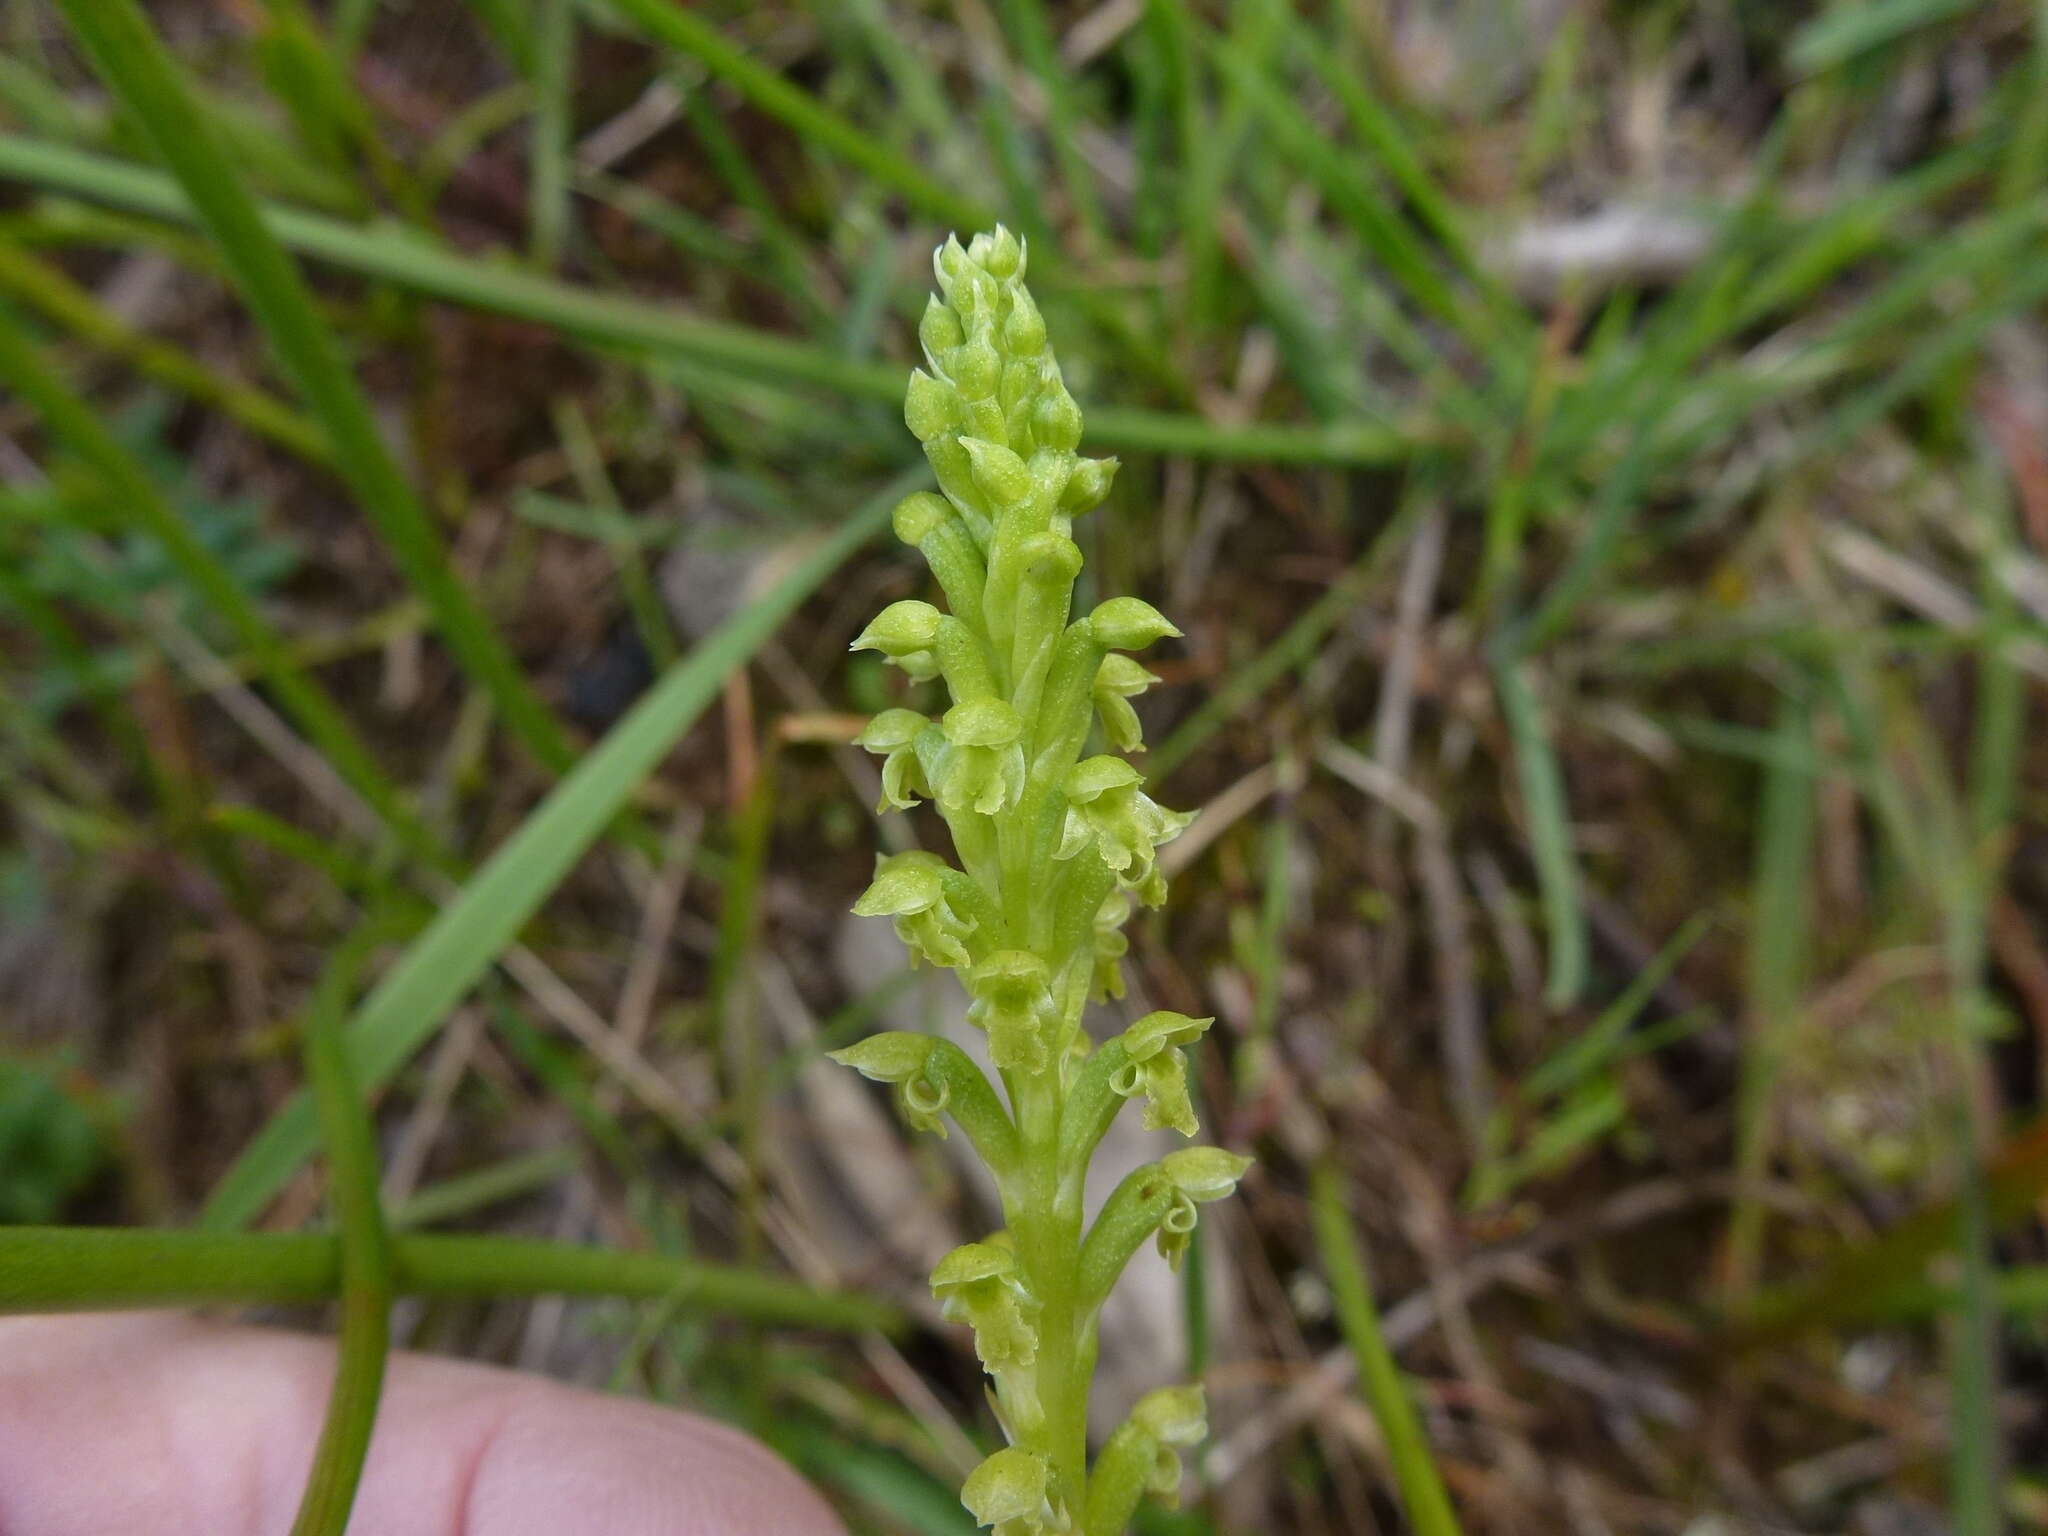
1000	474
974	298
1024	326
918	516
930	407
948	262
1087	486
975	369
998	252
1057	422
900	629
1051	557
939	330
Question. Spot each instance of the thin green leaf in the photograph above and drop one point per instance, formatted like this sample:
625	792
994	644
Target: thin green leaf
74	309
1380	1381
1778	957
471	931
638	327
134	495
678	27
554	58
1296	644
141	71
1550	833
1848	30
1852	1286
366	1256
108	1269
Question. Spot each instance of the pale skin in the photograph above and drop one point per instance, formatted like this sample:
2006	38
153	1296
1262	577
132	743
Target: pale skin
170	1425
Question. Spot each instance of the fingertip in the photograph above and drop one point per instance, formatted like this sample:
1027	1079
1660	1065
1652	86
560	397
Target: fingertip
168	1425
559	1459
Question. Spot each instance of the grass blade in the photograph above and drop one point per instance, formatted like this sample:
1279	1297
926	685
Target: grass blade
1976	1467
470	932
1297	643
1778	957
1856	1284
113	1269
366	1261
683	29
1379	229
64	303
134	62
1550	833
1031	29
554	57
73	422
1844	32
1379	1377
640	327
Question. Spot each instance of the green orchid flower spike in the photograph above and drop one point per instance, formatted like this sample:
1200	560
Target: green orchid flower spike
1054	847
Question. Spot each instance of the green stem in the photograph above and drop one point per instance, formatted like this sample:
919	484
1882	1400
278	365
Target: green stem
1047	1229
110	1269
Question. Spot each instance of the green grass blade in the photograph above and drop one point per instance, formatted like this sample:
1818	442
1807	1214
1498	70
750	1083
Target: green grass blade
509	26
639	327
469	933
784	247
1383	134
134	62
1029	26
366	1259
467	1193
1380	1381
2025	166
1296	645
1600	544
1379	229
73	422
1778	957
1854	1284
678	27
1997	747
105	1269
914	76
1846	31
1550	833
554	57
64	303
1601	1043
